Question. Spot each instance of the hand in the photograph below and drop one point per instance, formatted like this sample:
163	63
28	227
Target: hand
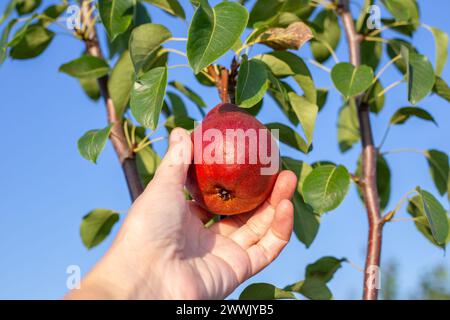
164	251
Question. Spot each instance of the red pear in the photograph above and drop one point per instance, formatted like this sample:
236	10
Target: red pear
236	161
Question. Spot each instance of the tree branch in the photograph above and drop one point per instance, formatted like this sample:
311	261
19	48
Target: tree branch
117	136
369	160
220	75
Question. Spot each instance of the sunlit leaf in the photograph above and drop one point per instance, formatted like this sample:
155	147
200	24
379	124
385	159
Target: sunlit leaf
284	64
116	15
214	31
170	6
92	143
328	32
439	169
419	74
90	87
85	67
121	83
143	46
405	113
436	215
264	291
348	126
24	7
289	136
324	268
441	89
96	226
147	97
325	187
441	44
306	113
351	80
252	83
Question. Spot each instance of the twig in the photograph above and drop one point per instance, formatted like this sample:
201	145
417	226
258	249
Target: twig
117	136
369	158
220	76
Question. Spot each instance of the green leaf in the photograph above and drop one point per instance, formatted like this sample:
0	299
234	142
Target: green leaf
371	52
53	12
420	75
121	42
263	10
252	83
306	221
306	113
289	136
415	209
143	47
96	226
442	89
312	288
90	87
34	42
189	93
177	104
348	126
328	31
8	10
181	121
436	215
325	187
361	22
439	169
300	168
121	83
351	81
402	10
147	160
4	40
383	180
21	32
170	6
284	64
92	143
375	98
116	15
147	97
24	7
441	44
405	113
322	95
394	48
86	67
278	90
214	31
264	291
324	268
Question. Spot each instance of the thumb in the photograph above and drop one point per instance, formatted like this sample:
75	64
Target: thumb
175	164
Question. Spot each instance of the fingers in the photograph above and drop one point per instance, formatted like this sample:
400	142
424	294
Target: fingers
276	238
260	219
175	164
284	187
199	212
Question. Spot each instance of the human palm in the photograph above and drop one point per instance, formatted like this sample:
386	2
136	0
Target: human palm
165	245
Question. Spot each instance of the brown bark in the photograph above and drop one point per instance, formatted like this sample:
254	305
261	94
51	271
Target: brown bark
368	181
117	136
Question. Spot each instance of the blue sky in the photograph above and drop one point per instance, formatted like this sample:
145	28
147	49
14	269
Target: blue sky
46	187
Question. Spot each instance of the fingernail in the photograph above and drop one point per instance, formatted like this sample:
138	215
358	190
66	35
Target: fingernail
175	136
